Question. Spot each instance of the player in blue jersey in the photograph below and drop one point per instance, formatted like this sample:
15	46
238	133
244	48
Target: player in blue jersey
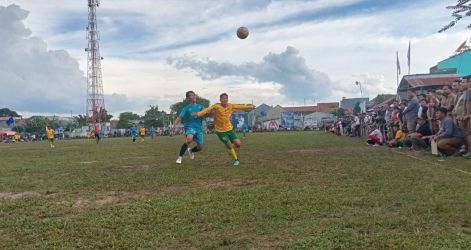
193	127
134	132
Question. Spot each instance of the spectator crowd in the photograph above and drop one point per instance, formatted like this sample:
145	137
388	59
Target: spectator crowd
438	118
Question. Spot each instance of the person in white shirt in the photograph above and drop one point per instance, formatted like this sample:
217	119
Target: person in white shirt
375	137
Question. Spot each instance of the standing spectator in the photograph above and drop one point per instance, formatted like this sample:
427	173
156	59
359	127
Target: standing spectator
456	90
411	112
423	108
458	112
466	120
447	99
422	97
433	104
356	123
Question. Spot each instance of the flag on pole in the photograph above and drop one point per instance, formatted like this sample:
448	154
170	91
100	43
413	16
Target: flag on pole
10	121
408	58
461	47
398	65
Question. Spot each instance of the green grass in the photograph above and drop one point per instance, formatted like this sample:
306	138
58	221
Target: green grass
298	190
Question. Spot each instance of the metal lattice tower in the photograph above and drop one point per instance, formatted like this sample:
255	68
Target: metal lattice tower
96	113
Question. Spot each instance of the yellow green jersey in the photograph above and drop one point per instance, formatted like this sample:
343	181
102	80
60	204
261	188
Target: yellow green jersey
50	133
142	131
222	115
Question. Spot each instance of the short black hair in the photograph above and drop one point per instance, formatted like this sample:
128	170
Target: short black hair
442	110
223	94
189	92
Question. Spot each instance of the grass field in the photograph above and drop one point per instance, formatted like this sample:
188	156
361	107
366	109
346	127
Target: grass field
298	190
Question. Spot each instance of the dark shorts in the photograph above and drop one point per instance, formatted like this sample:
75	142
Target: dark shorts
227	136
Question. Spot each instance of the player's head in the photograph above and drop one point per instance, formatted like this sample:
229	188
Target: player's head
224	98
190	96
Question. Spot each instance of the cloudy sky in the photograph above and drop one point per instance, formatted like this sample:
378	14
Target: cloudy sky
154	50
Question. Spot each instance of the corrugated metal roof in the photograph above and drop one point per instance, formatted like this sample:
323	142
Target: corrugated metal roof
430	79
302	109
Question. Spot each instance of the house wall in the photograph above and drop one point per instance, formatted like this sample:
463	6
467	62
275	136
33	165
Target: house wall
461	62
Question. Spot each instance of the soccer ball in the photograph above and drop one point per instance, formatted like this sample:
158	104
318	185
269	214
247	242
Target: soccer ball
242	32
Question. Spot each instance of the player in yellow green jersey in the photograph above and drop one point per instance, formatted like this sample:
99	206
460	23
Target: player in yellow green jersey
142	132
222	123
50	136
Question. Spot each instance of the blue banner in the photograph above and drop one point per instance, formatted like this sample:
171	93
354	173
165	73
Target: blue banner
10	121
287	119
240	121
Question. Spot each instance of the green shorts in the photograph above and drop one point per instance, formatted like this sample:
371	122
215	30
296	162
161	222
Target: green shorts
51	140
227	136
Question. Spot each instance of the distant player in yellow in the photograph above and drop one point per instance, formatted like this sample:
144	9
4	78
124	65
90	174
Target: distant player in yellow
142	132
222	123
50	136
17	137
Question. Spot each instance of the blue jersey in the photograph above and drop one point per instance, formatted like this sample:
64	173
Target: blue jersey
133	131
190	121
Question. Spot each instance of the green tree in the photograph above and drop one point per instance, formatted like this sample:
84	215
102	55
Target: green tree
108	117
8	112
125	119
339	112
381	98
81	120
19	129
37	124
357	108
176	108
461	9
155	118
71	125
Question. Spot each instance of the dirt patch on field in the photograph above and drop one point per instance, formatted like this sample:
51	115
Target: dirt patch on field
87	162
102	199
136	157
132	168
12	195
312	150
233	183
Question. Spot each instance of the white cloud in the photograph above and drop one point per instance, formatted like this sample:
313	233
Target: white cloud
347	48
288	69
31	76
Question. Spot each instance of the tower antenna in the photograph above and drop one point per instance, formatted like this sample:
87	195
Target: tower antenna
96	112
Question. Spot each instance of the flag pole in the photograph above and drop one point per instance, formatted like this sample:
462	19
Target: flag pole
398	68
408	58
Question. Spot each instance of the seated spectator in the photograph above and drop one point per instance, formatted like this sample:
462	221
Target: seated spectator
419	140
375	137
398	138
449	138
